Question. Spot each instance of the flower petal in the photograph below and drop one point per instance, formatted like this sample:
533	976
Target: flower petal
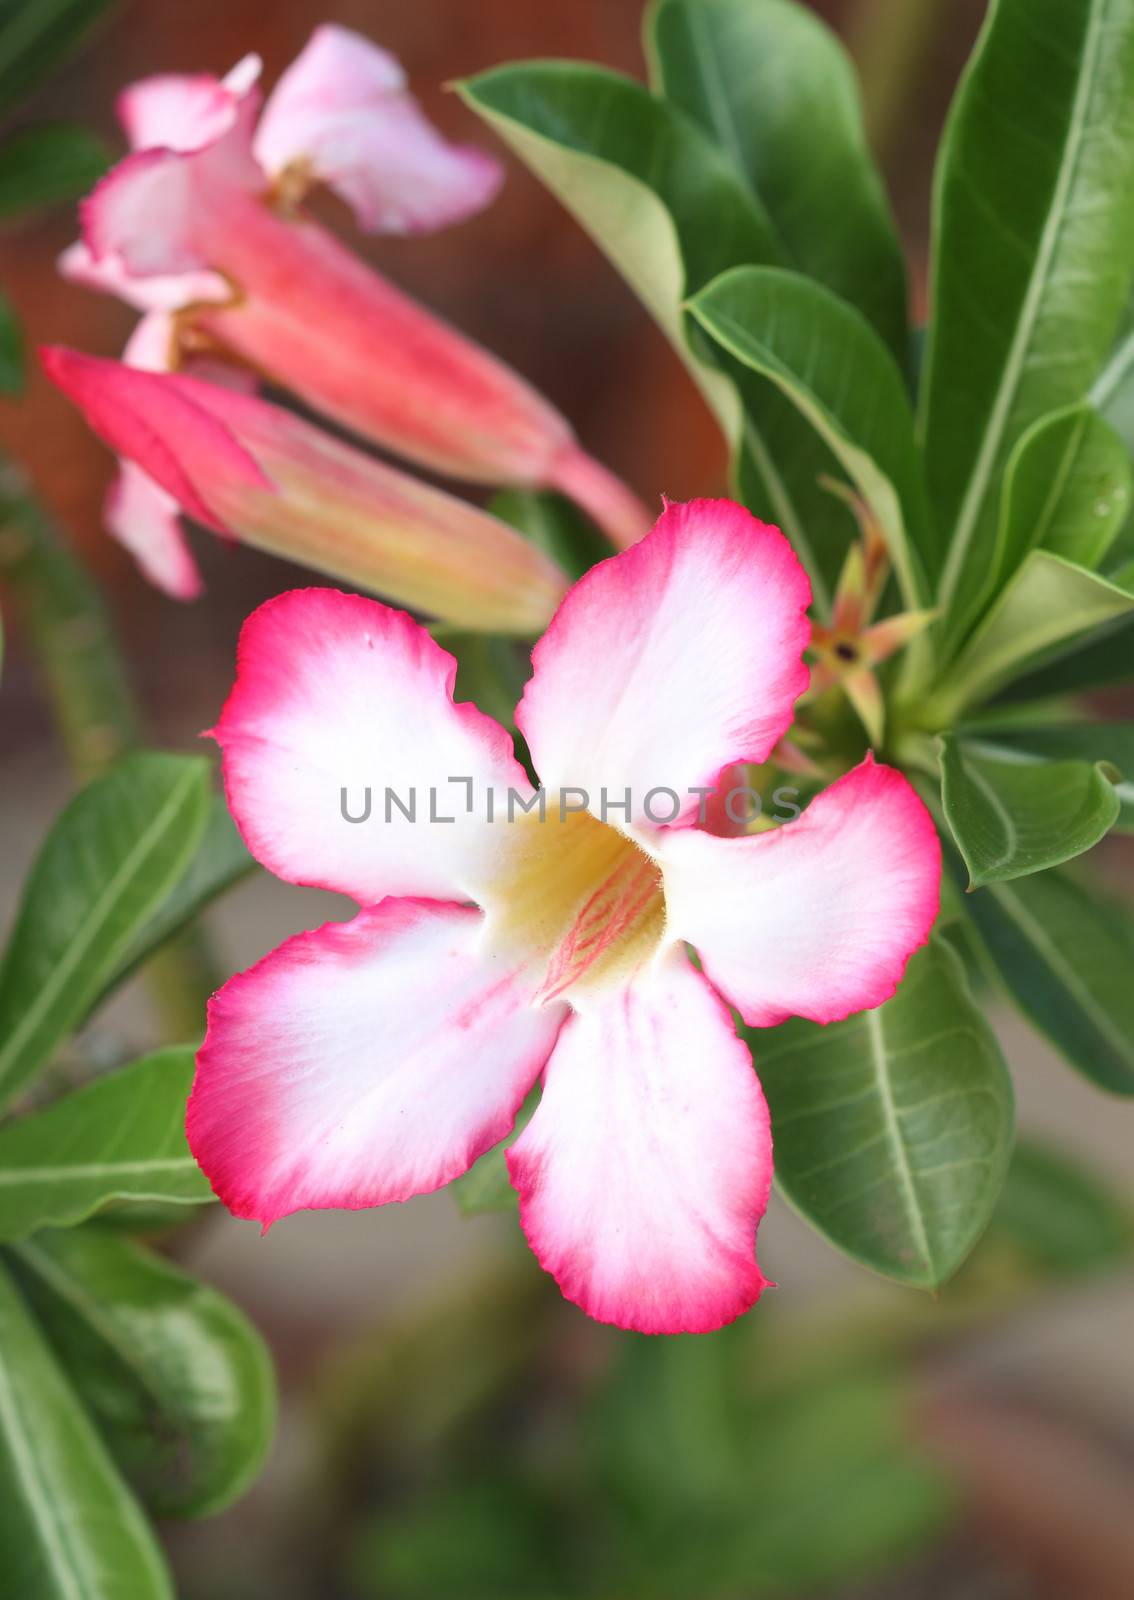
365	1062
275	481
343	113
819	917
671	660
321	322
646	1167
185	111
157	423
150	346
147	522
160	210
335	692
109	276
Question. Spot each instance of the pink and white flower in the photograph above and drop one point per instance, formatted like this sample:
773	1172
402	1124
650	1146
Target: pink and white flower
376	1059
138	512
207	210
257	473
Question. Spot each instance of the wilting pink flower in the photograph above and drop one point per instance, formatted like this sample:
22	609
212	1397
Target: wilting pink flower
375	1059
208	190
262	475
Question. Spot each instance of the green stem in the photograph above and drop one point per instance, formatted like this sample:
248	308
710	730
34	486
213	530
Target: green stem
69	634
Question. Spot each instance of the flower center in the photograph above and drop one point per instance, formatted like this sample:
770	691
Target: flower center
579	895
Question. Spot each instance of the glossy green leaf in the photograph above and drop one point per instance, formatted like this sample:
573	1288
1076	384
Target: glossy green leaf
220	861
105	867
1060	1216
1113	391
670	211
1067	490
831	365
176	1378
1033	239
774	87
555	526
657	196
1048	605
69	1527
119	1138
1091	662
11	350
1011	817
35	35
1082	741
45	166
1066	955
893	1129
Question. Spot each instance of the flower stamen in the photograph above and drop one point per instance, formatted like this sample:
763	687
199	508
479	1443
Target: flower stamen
581	897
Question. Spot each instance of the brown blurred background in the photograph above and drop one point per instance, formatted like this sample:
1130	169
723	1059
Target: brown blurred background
529	284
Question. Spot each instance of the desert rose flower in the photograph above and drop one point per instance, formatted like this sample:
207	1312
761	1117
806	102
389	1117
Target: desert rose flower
138	512
376	1059
211	188
257	473
847	651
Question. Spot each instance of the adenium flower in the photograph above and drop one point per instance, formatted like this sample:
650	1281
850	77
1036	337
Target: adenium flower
847	651
263	475
208	205
138	512
376	1059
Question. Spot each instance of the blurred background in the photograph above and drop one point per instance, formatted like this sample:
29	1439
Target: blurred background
450	1427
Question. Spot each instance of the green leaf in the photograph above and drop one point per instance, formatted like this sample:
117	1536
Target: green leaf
554	525
69	1527
1113	391
1012	817
893	1129
119	1138
677	1426
11	350
1083	741
37	34
176	1378
1047	606
491	670
482	1535
1067	490
221	861
1059	1216
1066	954
1033	239
1091	663
671	211
486	1185
106	865
843	1441
774	87
657	196
831	365
46	166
